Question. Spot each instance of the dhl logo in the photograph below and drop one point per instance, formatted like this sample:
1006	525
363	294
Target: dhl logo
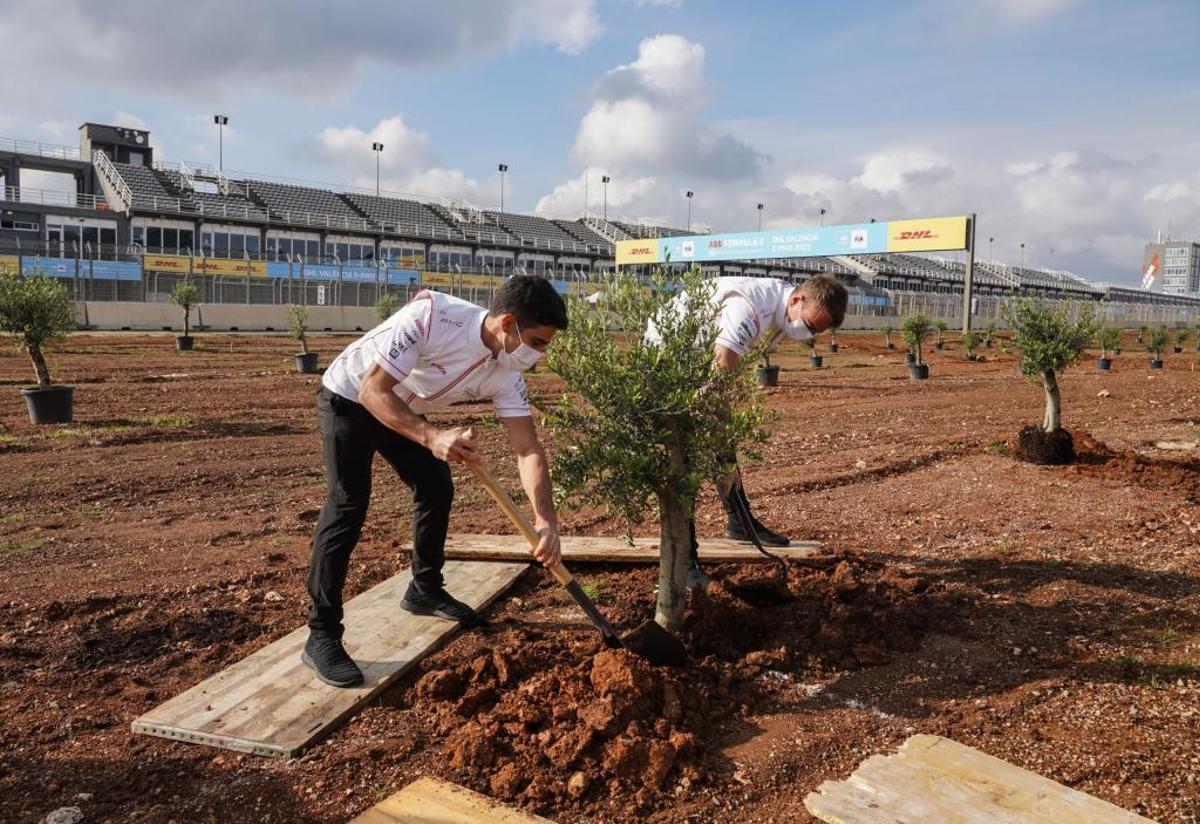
916	234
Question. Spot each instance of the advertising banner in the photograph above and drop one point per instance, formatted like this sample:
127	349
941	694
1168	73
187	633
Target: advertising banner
401	277
53	267
10	264
437	279
282	269
319	271
111	269
361	274
481	281
933	234
921	235
167	263
230	268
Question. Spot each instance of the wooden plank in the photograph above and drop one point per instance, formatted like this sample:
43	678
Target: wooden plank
613	550
431	801
936	779
270	703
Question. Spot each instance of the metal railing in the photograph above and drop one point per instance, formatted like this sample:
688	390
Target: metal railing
47	197
36	147
108	174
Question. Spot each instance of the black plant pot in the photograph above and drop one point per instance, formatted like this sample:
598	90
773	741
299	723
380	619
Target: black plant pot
1116	352
972	356
54	404
816	361
184	343
1104	364
988	344
1178	350
306	362
910	358
889	346
833	347
768	376
1155	363
938	344
918	371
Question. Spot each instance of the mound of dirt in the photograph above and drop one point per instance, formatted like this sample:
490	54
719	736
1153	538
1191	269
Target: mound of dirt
1052	448
1097	459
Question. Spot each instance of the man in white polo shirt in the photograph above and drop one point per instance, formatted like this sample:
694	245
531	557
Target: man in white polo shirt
436	350
750	310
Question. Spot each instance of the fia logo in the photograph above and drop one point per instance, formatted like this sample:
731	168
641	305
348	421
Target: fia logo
688	249
858	239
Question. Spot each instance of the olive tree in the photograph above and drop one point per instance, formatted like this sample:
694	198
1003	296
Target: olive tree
940	326
38	310
186	295
1181	337
642	426
387	305
1108	338
916	330
1156	341
297	321
971	343
887	336
1048	341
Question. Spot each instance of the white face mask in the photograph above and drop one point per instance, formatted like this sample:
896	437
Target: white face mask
798	330
521	359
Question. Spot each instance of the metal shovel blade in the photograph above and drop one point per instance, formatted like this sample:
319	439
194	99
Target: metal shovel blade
656	645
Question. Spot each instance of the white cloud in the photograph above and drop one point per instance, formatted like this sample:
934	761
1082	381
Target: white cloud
898	169
674	4
644	119
567	198
56	130
223	47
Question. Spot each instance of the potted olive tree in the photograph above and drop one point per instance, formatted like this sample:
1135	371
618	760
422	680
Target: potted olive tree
1143	331
1181	337
185	295
38	310
833	344
989	334
815	360
1107	338
1048	340
970	344
297	321
642	426
916	330
767	374
887	338
1156	343
387	305
941	326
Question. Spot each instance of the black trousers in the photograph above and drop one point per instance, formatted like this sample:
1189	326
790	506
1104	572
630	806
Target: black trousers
351	436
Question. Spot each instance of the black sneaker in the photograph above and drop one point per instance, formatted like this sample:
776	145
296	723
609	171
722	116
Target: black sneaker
326	656
440	604
767	537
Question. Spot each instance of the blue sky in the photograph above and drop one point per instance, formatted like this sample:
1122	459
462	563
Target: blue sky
1071	125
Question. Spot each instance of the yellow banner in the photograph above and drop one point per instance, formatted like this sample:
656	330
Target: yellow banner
167	263
935	234
10	265
437	279
485	281
237	268
638	251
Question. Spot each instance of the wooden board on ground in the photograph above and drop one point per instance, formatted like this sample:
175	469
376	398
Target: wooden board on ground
270	703
431	801
935	779
613	550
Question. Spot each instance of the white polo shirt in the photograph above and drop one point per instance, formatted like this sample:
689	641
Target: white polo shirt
434	348
749	309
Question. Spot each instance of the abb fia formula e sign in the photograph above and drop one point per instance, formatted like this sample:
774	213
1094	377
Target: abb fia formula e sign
919	235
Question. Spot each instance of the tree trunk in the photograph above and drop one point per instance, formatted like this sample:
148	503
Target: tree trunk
187	314
675	539
303	343
39	367
1053	420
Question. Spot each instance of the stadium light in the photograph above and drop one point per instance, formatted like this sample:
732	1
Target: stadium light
221	122
822	217
689	200
378	149
760	208
991	257
502	168
605	179
1022	255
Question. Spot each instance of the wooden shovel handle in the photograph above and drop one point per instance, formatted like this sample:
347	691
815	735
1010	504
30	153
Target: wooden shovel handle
560	572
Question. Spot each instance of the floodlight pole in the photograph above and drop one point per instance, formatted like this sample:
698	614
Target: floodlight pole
760	208
378	149
222	121
969	275
502	168
605	180
689	200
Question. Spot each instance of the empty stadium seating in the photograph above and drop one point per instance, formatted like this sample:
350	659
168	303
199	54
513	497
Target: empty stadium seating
401	215
147	190
304	204
582	233
234	204
537	231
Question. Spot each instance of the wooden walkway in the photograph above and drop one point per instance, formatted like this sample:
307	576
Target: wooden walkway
936	779
576	549
431	801
269	703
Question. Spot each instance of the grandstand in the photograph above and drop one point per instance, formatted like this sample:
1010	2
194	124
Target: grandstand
131	208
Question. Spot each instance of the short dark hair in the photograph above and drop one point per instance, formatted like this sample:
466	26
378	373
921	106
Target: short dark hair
828	293
533	300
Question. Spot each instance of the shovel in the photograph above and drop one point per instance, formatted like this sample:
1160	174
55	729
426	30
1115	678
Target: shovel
762	591
650	641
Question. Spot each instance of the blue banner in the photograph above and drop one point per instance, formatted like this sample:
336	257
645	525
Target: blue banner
361	274
51	267
317	271
111	269
401	277
282	269
561	286
854	239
